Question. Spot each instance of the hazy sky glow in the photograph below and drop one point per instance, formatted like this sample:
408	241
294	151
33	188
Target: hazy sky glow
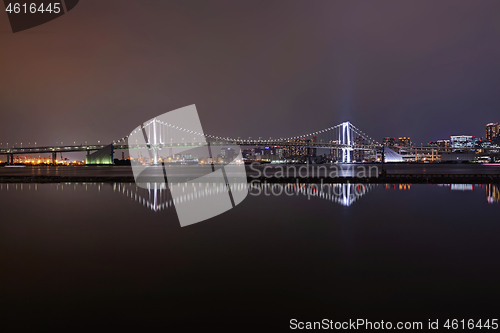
425	69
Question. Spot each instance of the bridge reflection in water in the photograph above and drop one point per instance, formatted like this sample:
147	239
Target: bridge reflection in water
156	196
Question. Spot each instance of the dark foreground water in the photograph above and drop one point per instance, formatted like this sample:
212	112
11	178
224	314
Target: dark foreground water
108	256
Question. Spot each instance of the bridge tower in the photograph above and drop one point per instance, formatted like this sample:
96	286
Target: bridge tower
155	143
347	141
153	140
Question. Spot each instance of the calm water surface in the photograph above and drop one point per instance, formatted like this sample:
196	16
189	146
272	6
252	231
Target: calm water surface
113	255
126	171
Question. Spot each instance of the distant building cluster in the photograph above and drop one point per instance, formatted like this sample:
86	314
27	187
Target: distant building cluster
402	141
458	148
295	154
32	160
492	138
226	155
455	141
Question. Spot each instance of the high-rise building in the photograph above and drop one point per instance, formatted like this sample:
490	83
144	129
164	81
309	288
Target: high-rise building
312	151
335	154
492	131
389	142
296	150
404	141
359	154
463	141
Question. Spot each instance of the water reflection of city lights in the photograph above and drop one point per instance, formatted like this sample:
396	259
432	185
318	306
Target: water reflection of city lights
492	190
493	193
156	196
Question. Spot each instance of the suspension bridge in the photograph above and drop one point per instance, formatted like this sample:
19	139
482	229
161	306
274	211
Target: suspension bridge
161	139
160	135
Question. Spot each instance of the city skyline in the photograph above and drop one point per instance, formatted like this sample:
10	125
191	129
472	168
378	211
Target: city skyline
343	143
492	133
492	127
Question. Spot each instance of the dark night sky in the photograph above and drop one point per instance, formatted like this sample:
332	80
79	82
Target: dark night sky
425	69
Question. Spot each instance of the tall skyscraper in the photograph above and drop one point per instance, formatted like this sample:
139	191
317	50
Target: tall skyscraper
492	131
